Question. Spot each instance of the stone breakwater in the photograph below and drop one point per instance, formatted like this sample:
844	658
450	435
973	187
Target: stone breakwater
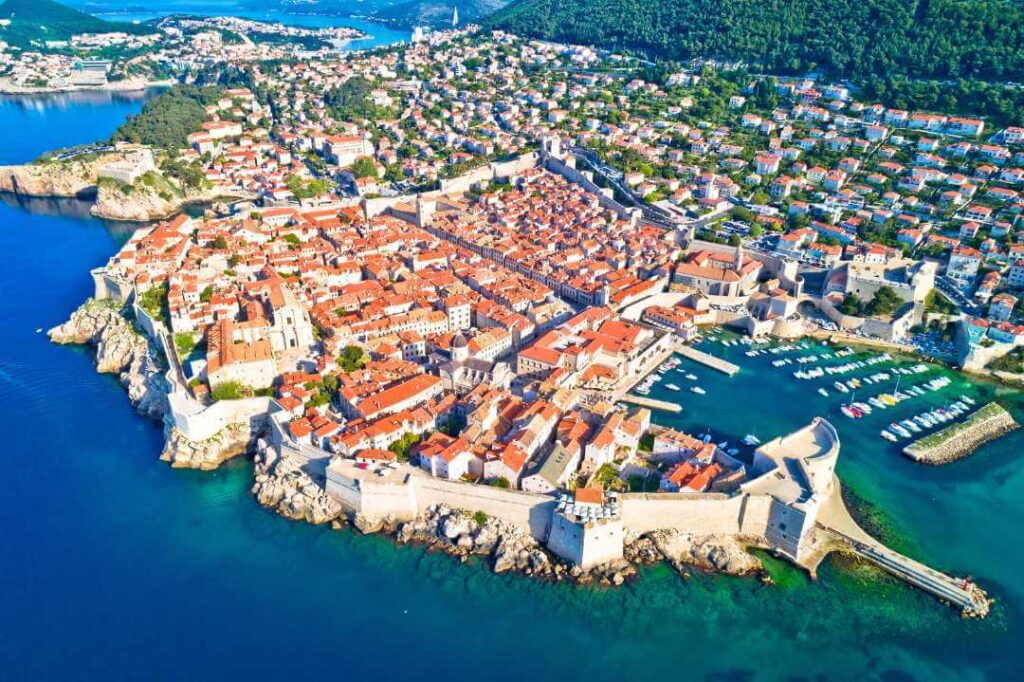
960	440
141	368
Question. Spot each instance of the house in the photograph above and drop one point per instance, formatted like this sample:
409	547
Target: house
449	457
963	266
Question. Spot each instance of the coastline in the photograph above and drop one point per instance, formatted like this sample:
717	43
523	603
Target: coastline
293	491
130	85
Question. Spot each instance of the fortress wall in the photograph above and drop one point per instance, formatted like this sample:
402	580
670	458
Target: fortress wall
699	514
207	421
107	286
388	499
462	183
526	510
377	205
506	169
559	167
492	171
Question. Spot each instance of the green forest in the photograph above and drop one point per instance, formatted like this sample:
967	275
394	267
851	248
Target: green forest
887	43
167	121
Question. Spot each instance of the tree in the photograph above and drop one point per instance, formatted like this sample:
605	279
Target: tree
404	445
885	302
851	305
184	343
352	358
307	189
364	167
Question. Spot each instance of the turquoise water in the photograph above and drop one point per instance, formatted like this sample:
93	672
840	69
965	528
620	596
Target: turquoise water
118	567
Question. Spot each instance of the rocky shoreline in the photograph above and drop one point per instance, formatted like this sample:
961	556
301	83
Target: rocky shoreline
283	486
960	440
120	349
141	368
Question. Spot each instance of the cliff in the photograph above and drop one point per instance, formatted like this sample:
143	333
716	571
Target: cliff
120	350
54	178
232	441
283	486
139	203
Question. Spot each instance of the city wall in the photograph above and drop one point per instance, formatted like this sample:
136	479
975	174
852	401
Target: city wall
493	171
700	514
704	513
578	177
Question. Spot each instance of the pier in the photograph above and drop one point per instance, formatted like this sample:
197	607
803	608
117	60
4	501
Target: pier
651	402
707	359
836	524
969	598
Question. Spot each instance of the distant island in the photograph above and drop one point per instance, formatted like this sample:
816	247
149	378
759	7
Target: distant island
29	23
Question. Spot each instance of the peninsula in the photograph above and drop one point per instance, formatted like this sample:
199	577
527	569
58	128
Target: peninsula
436	274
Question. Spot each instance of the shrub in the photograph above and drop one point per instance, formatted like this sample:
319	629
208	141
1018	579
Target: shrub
228	390
184	343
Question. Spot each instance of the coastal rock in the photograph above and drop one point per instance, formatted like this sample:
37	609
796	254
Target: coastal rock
152	197
121	350
642	551
283	485
140	202
231	441
710	552
54	178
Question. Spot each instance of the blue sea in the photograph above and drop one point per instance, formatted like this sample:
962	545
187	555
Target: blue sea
116	566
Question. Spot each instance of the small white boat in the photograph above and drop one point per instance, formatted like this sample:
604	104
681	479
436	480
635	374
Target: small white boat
698	390
823	392
691	377
672	387
888	436
751	439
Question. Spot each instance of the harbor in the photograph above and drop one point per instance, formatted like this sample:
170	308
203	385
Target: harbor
866	392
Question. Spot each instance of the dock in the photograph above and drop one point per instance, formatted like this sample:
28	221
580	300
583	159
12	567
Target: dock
707	359
836	524
651	402
959	592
